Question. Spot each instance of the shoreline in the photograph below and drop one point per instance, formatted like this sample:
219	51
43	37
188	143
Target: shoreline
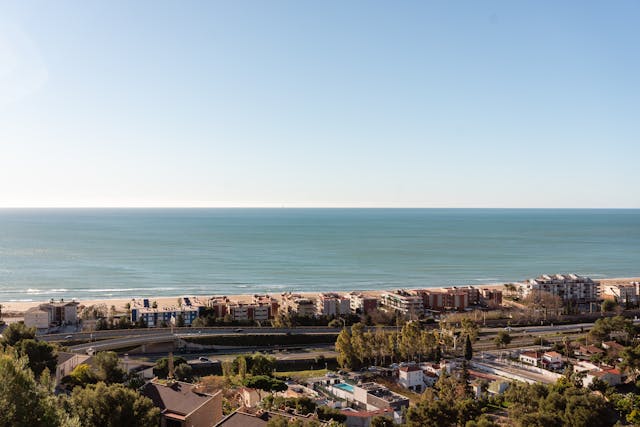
16	309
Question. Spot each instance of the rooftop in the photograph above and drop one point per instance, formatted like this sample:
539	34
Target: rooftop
177	397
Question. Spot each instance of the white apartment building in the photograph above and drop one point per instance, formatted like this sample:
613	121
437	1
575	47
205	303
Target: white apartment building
332	304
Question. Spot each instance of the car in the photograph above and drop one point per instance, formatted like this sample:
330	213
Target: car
204	359
68	337
239	330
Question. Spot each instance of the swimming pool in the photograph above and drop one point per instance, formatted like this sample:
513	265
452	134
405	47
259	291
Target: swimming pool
345	387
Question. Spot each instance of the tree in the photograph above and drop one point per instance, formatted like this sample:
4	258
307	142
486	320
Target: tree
16	332
184	372
108	368
101	405
262	365
502	339
161	369
265	383
24	402
409	342
346	355
607	305
381	421
469	327
41	355
80	376
468	349
326	413
180	321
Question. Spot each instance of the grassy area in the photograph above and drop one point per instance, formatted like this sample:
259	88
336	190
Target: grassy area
302	375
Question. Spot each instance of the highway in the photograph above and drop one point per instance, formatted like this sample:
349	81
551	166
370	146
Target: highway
115	339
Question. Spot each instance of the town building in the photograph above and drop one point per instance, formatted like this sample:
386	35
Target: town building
332	304
551	360
403	302
530	358
182	405
448	299
246	417
373	396
154	317
52	314
362	304
267	300
219	304
36	317
610	376
299	305
249	312
491	297
361	418
67	362
411	378
569	287
625	294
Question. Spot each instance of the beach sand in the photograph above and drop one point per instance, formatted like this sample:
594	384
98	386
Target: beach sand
15	310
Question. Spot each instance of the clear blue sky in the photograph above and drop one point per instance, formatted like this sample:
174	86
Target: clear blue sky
323	103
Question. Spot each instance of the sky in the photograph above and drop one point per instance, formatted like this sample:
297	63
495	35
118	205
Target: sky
320	103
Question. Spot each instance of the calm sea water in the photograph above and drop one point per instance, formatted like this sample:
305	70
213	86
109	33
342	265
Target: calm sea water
110	253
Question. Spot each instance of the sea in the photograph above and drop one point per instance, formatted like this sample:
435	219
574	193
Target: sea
123	253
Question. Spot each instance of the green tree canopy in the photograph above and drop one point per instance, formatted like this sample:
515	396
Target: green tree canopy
23	402
264	382
41	355
101	405
16	332
108	368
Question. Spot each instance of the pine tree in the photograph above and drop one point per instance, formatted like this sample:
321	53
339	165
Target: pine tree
468	348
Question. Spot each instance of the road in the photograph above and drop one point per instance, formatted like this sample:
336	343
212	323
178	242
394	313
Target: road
121	338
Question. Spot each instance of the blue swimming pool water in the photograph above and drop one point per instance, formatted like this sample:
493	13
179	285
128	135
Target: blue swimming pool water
345	387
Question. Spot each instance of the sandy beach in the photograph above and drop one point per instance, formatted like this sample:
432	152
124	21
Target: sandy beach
15	310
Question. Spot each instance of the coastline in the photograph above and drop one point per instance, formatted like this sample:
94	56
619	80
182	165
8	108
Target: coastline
14	310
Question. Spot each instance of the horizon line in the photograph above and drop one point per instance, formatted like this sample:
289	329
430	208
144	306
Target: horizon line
293	206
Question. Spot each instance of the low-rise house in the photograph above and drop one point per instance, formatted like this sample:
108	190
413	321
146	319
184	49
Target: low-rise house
251	397
67	362
613	347
373	396
245	417
588	350
363	418
498	386
610	376
552	360
430	378
182	405
530	357
411	378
